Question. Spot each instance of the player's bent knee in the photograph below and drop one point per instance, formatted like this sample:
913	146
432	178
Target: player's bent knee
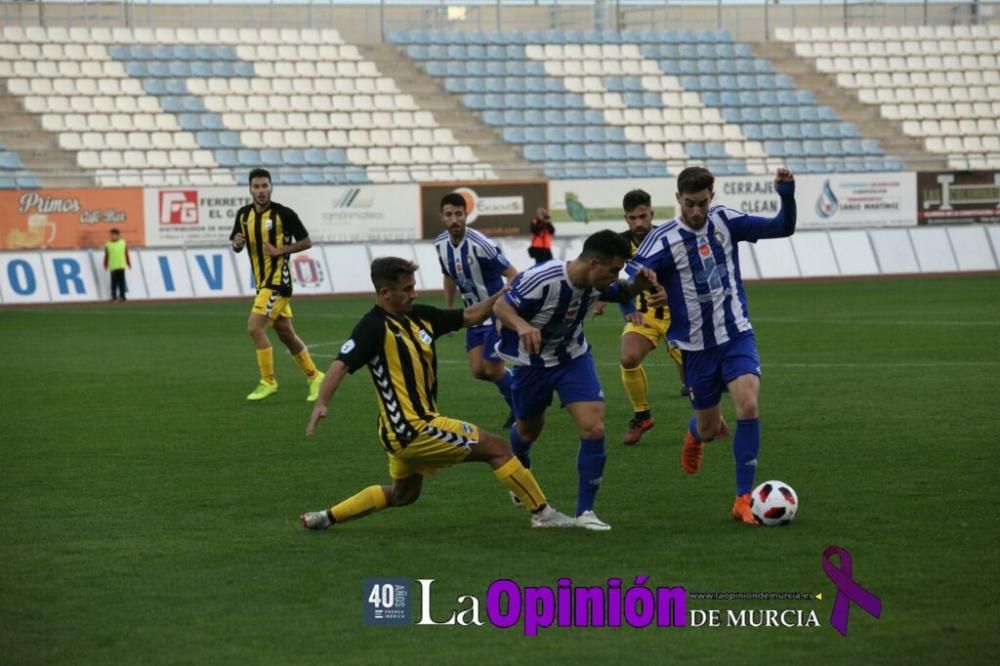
592	431
630	361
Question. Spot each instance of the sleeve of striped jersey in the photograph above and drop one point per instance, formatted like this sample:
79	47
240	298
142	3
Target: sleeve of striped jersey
441	321
364	343
524	300
237	227
293	225
752	228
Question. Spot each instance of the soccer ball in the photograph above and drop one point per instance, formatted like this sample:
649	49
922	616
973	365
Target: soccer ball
774	503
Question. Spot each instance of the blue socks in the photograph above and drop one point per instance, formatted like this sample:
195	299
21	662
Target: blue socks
746	445
521	449
503	385
590	464
693	428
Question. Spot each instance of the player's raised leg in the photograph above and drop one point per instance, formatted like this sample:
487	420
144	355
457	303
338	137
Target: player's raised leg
487	366
371	499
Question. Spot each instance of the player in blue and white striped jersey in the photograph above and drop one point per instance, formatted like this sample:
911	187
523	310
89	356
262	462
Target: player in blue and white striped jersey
542	336
696	259
475	267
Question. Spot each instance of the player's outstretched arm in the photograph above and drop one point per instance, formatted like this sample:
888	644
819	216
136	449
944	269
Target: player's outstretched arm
480	312
334	376
782	224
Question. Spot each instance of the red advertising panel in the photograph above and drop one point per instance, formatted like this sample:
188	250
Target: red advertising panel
69	218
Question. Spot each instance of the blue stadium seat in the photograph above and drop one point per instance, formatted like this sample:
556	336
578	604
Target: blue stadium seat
711	98
554	152
635	151
707	67
727	67
205	69
714	150
783	82
696	150
575	152
513	68
833	147
771	131
8	182
774	148
791	131
158	68
810	131
475	101
555	171
794	148
805	97
437	52
596	151
143	52
574	134
616	152
495	84
476	51
534	153
416	52
534	134
193	104
732	114
313	177
204	52
557	134
242	69
190	121
848	130
745	67
553	85
208	139
419	37
10	161
809	114
336	156
852	147
514	135
512	117
435	68
827	114
229	139
119	52
180	69
136	69
812	147
314	156
535	117
458	85
455	51
497	67
871	148
788	114
753	131
534	68
270	156
227	158
752	114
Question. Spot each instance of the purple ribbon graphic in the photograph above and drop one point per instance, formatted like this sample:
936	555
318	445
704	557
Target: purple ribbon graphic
848	590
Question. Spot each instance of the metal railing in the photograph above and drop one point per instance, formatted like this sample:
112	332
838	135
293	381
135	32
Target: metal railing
372	21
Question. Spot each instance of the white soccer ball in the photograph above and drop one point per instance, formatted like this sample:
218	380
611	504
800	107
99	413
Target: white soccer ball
774	503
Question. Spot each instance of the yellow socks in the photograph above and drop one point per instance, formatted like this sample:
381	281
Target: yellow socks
369	500
521	482
636	388
265	361
305	362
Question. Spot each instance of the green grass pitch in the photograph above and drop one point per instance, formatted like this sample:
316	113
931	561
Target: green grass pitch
149	513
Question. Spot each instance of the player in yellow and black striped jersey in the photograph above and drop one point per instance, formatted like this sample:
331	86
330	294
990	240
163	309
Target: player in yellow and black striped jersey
271	233
395	340
645	326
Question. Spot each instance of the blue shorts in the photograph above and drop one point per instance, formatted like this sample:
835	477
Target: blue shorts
710	370
575	381
485	336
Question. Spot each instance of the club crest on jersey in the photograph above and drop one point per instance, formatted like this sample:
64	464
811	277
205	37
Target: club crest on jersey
347	346
425	337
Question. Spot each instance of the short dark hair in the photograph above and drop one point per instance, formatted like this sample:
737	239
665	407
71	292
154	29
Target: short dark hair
116	231
387	271
453	199
695	179
259	173
605	246
636	198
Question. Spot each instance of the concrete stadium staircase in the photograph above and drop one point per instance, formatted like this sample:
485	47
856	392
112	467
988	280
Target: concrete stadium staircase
845	102
38	148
